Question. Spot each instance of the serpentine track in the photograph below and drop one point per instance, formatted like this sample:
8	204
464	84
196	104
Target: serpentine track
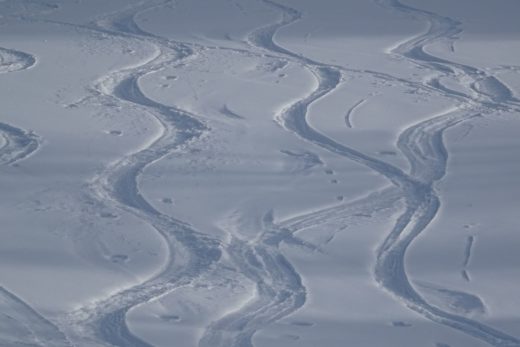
190	252
279	288
422	144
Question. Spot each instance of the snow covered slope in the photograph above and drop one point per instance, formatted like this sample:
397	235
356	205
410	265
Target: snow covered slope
268	173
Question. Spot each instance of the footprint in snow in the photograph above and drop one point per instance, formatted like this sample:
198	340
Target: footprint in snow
401	324
115	132
170	318
108	215
168	201
302	323
119	258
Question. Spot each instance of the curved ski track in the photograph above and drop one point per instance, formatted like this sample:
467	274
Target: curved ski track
191	252
422	144
279	287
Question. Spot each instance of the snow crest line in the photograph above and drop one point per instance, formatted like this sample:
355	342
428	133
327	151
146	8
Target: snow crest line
41	331
351	111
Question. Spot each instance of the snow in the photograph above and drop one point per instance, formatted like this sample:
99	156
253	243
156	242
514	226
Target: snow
259	173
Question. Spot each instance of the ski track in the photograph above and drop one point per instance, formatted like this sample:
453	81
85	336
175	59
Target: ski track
423	146
279	289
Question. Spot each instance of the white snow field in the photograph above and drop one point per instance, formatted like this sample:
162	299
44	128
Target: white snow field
267	173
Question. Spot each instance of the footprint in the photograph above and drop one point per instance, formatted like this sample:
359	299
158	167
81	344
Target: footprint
119	258
387	153
108	215
329	172
168	201
115	132
334	181
170	318
401	324
366	215
340	197
302	323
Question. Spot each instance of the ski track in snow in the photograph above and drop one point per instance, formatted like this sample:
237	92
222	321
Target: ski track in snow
17	143
103	322
279	289
423	146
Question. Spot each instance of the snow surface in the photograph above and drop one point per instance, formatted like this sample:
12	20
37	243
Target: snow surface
237	173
